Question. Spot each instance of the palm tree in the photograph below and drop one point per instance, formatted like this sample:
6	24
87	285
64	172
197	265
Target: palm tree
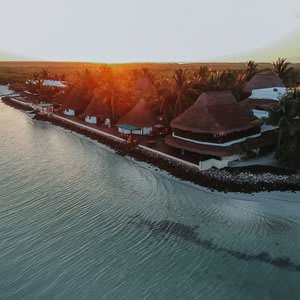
202	75
281	66
250	69
239	85
228	79
35	76
214	82
163	99
81	89
62	77
292	77
147	73
110	88
44	74
286	115
180	89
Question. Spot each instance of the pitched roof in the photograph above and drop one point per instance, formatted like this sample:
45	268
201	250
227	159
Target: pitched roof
262	81
143	85
69	100
74	99
97	107
214	112
253	103
139	116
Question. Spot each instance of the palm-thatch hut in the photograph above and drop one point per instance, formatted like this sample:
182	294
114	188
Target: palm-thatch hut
215	125
75	102
265	86
139	120
96	111
265	90
143	85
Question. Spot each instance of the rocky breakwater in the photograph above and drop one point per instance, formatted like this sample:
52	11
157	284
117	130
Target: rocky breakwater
228	180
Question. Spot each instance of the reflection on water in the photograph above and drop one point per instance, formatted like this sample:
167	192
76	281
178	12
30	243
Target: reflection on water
189	233
79	222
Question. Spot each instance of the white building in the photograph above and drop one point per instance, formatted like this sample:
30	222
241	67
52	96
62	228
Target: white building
48	82
69	112
264	89
96	110
91	119
45	108
139	120
274	93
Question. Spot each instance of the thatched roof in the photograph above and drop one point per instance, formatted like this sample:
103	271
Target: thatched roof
214	112
139	116
143	85
75	99
254	103
97	107
262	81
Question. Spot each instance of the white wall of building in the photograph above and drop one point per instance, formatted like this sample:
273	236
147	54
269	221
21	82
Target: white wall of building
219	164
126	131
225	144
91	119
146	130
69	112
273	93
143	131
212	162
260	113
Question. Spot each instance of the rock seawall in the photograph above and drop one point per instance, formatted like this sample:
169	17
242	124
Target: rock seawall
229	180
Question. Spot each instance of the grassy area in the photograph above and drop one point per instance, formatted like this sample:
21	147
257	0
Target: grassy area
11	72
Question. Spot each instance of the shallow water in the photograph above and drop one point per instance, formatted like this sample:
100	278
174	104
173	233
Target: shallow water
79	222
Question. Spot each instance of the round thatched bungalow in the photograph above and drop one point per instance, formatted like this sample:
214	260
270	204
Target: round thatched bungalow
264	90
143	85
139	120
265	86
215	125
97	111
74	102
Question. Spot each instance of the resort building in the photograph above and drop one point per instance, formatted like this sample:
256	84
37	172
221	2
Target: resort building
264	90
139	120
48	82
73	104
69	112
143	85
214	126
265	86
97	111
45	108
54	83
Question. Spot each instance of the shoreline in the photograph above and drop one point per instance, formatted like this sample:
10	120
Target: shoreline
226	180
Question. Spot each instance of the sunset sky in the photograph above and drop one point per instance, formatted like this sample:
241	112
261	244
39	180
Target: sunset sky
143	30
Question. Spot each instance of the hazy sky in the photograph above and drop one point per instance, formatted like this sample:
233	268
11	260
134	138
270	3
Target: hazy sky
143	30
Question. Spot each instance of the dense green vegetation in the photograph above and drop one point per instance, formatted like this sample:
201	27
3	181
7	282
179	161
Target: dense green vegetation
286	114
169	88
11	72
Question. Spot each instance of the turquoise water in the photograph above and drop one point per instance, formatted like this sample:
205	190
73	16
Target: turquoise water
79	222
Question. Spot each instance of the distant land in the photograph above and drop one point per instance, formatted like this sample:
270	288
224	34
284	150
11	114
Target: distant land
8	56
19	71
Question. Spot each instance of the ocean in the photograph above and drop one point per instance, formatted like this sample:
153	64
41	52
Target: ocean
78	221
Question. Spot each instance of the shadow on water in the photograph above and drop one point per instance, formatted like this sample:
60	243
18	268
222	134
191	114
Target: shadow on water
189	234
